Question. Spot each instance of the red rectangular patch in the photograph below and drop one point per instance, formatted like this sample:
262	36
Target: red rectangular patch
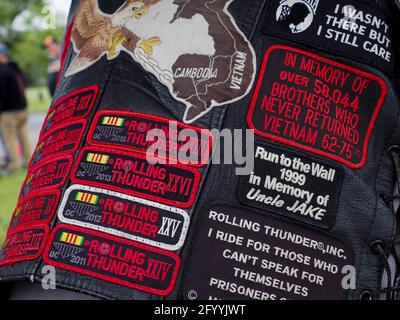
128	130
50	174
24	243
61	140
131	173
76	105
112	259
316	104
37	207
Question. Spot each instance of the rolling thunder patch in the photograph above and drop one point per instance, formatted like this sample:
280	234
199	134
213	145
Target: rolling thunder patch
37	207
128	130
292	185
74	106
239	255
23	243
50	174
124	216
112	259
133	174
62	140
316	104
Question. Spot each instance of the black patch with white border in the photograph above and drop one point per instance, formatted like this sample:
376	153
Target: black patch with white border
238	254
359	30
137	219
291	184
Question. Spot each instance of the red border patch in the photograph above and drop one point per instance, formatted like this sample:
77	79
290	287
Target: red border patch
19	238
363	148
102	250
135	166
73	106
136	128
38	207
55	141
47	170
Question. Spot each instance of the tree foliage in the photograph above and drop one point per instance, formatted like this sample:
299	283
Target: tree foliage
10	9
31	57
25	44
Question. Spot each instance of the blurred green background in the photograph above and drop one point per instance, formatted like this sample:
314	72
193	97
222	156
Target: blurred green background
10	187
22	31
38	100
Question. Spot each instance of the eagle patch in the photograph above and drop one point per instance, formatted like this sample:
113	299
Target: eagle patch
193	47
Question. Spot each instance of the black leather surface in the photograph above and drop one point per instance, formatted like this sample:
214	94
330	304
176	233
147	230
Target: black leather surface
361	216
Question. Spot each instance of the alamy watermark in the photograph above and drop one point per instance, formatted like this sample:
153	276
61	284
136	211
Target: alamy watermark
189	147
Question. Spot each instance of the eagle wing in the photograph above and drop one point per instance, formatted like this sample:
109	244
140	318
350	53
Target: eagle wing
88	23
89	36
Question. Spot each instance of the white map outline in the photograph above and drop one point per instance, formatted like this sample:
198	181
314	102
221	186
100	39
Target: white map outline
164	76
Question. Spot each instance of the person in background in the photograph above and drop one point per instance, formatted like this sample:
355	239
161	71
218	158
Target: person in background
14	116
54	53
4	161
3	149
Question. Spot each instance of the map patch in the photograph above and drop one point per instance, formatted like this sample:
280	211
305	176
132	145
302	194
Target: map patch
192	47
